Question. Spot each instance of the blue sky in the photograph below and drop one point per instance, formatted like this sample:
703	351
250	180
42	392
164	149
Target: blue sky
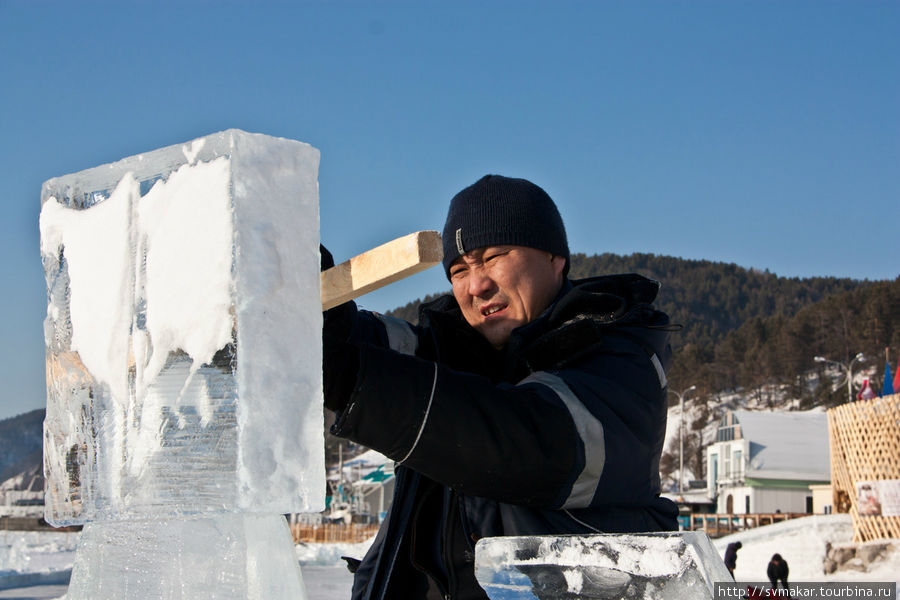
761	133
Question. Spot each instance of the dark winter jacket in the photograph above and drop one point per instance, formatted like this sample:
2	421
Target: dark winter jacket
731	555
559	433
777	571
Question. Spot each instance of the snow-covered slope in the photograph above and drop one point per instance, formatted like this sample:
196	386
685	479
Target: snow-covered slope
802	544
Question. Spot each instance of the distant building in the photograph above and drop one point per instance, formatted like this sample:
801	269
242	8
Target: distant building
23	494
765	462
369	480
823	502
694	500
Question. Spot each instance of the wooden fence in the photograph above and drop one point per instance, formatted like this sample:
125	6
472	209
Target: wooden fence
865	451
332	532
22	523
716	525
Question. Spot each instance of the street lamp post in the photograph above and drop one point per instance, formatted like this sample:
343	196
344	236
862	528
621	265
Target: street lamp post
681	436
848	369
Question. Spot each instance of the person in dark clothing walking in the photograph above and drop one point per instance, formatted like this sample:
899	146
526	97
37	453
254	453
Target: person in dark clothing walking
777	571
731	556
524	403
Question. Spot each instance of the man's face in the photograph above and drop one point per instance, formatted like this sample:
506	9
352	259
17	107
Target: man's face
500	288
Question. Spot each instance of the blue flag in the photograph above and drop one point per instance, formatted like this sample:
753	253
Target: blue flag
888	388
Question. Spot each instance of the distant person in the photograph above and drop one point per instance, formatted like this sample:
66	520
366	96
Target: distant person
731	556
866	393
777	572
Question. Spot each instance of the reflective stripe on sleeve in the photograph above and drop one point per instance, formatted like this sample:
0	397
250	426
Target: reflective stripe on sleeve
589	428
401	337
660	372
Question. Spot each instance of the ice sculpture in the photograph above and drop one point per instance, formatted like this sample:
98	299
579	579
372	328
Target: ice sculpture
183	390
226	556
647	566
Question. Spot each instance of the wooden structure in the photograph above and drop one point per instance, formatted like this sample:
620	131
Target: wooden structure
332	533
865	448
719	524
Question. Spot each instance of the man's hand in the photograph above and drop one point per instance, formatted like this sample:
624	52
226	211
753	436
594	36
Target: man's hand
340	367
340	358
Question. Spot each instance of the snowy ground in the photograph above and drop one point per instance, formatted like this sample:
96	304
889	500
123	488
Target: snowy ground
802	544
33	565
36	566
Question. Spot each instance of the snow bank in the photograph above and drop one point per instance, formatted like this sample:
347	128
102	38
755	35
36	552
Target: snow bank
330	554
800	541
802	544
32	557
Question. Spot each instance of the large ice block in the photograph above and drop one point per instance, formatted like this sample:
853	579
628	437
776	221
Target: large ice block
647	566
182	333
230	556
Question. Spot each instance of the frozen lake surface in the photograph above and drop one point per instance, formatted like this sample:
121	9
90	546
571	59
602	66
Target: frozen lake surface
44	555
322	583
33	563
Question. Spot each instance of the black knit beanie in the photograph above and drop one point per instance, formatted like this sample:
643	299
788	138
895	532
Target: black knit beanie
503	211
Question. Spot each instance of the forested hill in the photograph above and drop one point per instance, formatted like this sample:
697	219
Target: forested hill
781	349
21	443
744	327
710	299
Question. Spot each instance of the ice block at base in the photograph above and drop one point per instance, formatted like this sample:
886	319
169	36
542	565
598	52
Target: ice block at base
646	566
228	557
182	333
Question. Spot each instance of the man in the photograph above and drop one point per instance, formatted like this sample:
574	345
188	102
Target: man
523	403
731	556
777	572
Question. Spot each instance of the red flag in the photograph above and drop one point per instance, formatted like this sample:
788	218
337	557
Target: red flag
897	378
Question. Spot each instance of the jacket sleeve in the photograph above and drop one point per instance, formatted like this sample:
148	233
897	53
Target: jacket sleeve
515	444
585	435
383	331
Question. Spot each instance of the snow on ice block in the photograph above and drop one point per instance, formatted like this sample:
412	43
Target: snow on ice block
645	565
222	558
183	333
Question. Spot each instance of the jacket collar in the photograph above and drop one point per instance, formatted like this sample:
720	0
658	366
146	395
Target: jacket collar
594	302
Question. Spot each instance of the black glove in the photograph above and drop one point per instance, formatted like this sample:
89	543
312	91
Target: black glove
340	368
339	320
340	358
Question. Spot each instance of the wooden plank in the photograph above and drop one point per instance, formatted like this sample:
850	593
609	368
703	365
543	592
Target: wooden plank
380	266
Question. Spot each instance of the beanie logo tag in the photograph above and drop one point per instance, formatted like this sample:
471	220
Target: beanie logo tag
459	243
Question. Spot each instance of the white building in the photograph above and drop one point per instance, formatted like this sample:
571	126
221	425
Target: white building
23	495
823	503
372	476
765	462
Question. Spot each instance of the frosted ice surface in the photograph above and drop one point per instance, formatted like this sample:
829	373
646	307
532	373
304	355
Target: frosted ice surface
646	566
182	330
226	557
